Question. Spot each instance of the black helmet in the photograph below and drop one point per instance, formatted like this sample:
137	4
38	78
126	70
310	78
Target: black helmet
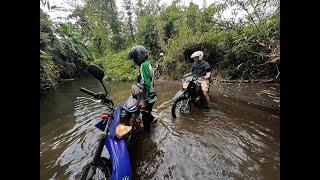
138	54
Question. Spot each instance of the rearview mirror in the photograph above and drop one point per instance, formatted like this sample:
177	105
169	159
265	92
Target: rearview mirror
96	71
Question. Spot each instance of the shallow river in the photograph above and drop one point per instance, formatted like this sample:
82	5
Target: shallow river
233	140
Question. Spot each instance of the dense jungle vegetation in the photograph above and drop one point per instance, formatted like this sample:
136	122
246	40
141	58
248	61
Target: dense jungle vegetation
238	48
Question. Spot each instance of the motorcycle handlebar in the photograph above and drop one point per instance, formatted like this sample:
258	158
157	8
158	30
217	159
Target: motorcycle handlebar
104	100
84	90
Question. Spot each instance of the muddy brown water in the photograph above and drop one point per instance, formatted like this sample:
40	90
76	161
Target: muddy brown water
232	140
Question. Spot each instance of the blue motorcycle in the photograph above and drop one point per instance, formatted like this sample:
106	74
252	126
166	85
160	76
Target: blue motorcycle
117	129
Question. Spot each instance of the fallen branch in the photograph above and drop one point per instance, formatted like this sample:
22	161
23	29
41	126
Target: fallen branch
249	81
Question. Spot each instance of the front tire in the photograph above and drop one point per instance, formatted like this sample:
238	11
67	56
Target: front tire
176	104
102	170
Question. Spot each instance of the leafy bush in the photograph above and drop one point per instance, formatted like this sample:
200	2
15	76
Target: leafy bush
48	65
247	48
118	68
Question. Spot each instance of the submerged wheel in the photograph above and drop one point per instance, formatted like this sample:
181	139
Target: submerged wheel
100	171
180	106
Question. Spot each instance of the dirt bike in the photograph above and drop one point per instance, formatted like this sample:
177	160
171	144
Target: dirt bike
117	128
191	93
157	71
158	68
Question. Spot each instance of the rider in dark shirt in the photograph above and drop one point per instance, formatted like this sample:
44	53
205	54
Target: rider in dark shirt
201	69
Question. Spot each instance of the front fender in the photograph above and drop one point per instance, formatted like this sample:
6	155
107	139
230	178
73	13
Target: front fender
121	167
180	93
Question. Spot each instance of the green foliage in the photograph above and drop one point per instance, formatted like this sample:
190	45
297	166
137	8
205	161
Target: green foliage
235	48
117	67
71	38
62	54
46	31
247	48
146	27
49	67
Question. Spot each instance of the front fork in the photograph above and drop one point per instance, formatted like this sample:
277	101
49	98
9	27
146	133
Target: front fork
188	104
97	154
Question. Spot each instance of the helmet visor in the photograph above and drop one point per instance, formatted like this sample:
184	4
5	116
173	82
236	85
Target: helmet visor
196	58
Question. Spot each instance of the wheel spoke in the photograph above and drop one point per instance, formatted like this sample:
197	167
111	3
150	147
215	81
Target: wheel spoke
181	107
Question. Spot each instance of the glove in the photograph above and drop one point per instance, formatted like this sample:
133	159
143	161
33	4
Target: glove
136	89
142	104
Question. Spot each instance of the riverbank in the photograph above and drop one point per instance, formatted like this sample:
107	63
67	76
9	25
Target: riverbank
265	96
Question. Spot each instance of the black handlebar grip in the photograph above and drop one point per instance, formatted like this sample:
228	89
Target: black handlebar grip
88	92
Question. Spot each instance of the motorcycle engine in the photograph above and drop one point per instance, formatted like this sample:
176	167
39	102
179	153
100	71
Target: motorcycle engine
198	100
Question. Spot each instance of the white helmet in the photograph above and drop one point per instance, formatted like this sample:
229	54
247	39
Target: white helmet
161	54
197	54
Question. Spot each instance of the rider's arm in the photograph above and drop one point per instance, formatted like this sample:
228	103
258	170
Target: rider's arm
207	76
208	71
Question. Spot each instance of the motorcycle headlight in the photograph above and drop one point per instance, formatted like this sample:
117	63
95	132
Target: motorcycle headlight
185	85
122	130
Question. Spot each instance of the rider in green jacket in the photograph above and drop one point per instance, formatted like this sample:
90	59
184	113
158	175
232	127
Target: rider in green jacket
139	55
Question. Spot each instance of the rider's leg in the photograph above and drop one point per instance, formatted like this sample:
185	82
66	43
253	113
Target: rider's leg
205	89
147	117
206	95
152	119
